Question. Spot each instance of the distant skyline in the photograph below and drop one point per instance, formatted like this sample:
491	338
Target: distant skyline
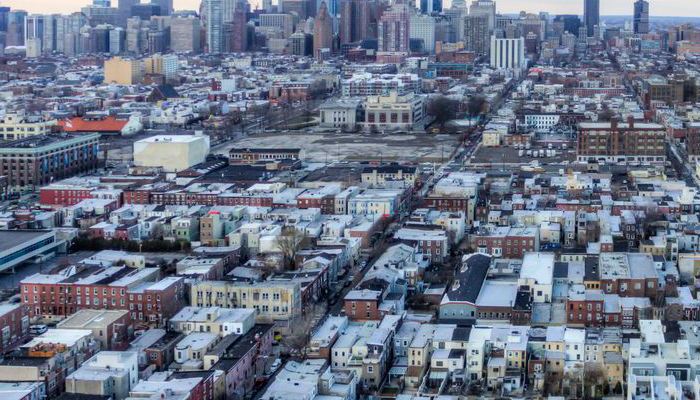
672	8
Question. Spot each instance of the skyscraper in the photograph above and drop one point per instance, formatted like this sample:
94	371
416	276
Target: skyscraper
355	18
166	6
422	27
393	28
484	7
239	41
184	35
323	30
228	8
476	34
430	6
215	25
124	10
591	15
641	17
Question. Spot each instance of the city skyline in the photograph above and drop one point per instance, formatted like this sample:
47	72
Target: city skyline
672	8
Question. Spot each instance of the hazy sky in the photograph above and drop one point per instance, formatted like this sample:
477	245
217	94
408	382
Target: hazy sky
608	7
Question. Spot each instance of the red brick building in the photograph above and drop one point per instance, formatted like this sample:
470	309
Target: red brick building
150	301
14	325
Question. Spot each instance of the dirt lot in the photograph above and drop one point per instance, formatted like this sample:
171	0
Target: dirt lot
322	147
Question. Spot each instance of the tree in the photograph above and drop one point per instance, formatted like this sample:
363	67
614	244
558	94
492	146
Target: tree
606	114
475	106
289	243
442	109
301	326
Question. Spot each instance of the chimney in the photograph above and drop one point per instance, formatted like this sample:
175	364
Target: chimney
630	121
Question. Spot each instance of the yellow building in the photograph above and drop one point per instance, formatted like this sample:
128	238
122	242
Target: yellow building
274	301
18	126
123	71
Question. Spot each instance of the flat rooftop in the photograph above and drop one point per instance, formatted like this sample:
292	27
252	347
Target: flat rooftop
12	238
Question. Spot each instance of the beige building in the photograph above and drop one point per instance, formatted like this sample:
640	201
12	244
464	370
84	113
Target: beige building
381	175
109	327
123	71
18	126
171	152
393	111
221	321
274	301
108	373
491	139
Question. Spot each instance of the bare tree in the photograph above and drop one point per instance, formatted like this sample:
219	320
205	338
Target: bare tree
301	327
157	232
289	243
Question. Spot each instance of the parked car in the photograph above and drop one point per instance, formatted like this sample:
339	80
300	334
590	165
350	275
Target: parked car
38	329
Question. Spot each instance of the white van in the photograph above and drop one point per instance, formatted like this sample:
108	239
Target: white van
38	329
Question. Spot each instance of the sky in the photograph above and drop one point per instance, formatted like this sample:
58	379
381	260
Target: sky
608	7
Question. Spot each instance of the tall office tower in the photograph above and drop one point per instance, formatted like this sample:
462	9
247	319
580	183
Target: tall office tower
393	28
184	35
117	41
145	11
267	6
34	29
228	8
476	34
102	3
484	7
591	15
355	16
239	37
124	10
323	30
430	6
136	35
166	6
101	15
15	27
641	17
4	18
300	7
422	27
507	53
215	25
571	23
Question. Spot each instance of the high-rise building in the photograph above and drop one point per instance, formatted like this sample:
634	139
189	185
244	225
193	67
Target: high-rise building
641	17
430	6
323	30
507	53
102	3
484	7
355	16
215	25
228	8
15	27
393	28
476	34
238	40
422	27
591	15
571	23
166	6
4	18
124	10
300	7
184	35
145	11
117	41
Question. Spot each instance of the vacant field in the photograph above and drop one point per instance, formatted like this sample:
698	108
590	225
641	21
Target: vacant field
322	147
